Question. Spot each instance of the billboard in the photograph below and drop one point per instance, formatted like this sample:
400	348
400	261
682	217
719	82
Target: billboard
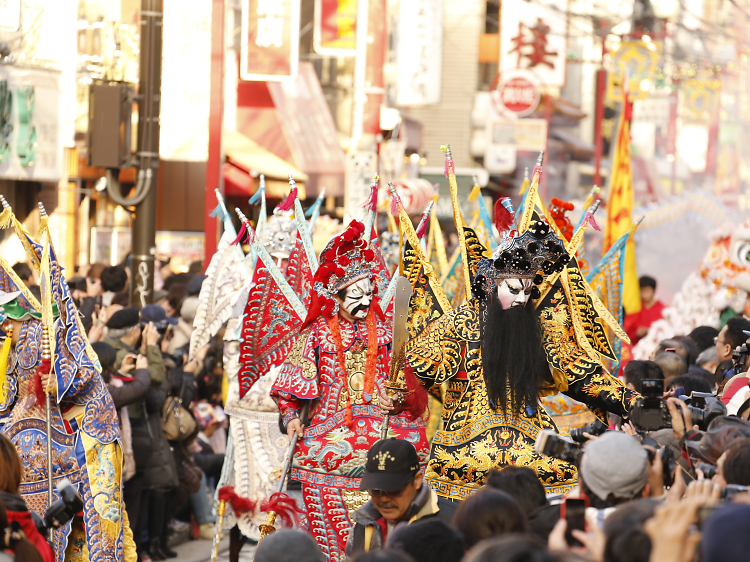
270	40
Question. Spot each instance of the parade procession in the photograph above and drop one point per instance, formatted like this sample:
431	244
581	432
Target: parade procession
374	281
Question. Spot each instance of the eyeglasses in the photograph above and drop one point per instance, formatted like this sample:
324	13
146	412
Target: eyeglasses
374	492
717	340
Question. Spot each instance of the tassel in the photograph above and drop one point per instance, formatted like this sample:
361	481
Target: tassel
43	225
416	399
503	218
394	208
422	227
6	217
285	507
241	236
239	504
217	212
476	191
4	353
371	204
43	368
288	203
261	191
589	220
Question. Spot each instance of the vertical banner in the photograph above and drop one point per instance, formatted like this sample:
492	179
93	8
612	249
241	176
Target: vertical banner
420	52
533	36
270	40
335	31
186	80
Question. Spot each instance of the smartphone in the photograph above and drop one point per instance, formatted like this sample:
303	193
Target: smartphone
573	510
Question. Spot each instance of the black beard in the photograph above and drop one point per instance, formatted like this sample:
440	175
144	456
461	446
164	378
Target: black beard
513	359
359	308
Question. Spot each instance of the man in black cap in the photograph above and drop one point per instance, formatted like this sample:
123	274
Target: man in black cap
398	496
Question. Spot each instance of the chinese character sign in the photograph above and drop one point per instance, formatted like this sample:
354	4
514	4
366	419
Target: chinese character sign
335	32
270	39
533	36
420	52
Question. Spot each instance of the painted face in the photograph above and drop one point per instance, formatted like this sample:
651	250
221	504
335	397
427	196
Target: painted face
358	298
514	292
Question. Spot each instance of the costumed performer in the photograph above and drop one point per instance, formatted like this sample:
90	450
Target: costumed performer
85	431
531	328
340	363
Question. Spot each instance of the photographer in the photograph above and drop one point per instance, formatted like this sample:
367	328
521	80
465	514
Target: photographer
729	339
733	466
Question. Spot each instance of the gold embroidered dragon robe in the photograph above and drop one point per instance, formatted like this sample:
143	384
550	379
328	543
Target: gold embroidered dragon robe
445	353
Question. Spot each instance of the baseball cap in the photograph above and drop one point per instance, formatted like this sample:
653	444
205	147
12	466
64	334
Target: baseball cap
154	313
615	463
726	534
391	465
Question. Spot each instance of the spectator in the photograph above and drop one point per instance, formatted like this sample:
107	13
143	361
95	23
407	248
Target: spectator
637	324
184	325
689	384
195	268
13	541
288	545
511	549
24	273
173	301
398	493
429	540
703	337
671	364
77	287
707	360
487	513
636	371
11	474
726	535
733	467
382	555
730	337
114	280
626	539
674	345
614	469
209	419
524	485
94	280
128	336
689	351
195	284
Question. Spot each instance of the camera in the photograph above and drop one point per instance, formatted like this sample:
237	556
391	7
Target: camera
162	326
594	428
668	463
64	509
550	444
708	470
731	490
650	412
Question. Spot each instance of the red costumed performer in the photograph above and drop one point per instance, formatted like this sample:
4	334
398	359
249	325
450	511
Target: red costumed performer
340	363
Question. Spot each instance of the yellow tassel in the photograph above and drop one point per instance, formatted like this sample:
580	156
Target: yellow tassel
4	353
6	217
524	187
43	226
476	191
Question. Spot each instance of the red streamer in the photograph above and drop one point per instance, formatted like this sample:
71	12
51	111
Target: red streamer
288	203
241	236
239	504
372	202
285	508
44	368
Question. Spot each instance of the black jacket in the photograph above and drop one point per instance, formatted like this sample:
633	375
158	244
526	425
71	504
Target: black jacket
133	391
426	505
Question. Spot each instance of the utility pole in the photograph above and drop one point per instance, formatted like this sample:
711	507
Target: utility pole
149	98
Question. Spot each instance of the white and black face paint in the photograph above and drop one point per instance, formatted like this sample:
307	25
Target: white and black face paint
357	298
514	292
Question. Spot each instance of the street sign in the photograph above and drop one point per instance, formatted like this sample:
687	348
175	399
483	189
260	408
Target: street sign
518	92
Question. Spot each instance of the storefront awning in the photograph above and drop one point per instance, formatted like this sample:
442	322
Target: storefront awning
293	121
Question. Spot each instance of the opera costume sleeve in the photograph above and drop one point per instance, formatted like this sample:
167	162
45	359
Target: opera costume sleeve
298	375
576	371
435	354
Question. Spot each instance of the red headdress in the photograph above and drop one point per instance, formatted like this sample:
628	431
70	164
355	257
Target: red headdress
558	210
345	260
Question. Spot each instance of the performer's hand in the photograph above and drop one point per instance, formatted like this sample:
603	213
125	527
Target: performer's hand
294	426
141	362
45	380
96	332
386	403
